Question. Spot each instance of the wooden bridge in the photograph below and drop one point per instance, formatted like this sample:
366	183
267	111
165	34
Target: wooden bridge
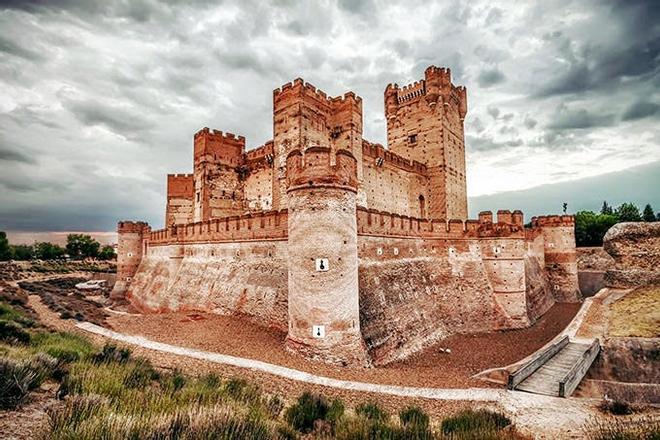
557	369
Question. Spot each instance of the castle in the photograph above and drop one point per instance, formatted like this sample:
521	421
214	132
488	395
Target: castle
362	254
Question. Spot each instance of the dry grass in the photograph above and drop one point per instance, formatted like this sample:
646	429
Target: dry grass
636	314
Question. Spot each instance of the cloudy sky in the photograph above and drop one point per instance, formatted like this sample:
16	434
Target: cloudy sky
100	100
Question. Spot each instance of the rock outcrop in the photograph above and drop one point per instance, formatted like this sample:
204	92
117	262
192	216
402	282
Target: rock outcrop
635	248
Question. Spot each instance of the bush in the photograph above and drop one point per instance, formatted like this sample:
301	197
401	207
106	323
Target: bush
414	417
241	390
372	411
475	421
616	407
312	407
17	379
110	353
13	333
141	374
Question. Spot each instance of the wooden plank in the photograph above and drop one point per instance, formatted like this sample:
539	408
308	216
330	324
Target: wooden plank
535	363
572	379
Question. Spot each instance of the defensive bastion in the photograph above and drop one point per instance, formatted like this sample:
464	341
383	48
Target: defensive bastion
293	234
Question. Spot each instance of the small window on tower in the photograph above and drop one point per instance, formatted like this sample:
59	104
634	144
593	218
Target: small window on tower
412	139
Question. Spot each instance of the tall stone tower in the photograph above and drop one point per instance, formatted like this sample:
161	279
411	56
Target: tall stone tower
324	313
130	247
217	188
304	116
425	123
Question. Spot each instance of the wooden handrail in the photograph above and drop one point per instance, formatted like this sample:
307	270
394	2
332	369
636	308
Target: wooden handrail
535	363
572	379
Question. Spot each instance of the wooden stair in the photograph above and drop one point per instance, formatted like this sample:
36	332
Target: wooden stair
557	370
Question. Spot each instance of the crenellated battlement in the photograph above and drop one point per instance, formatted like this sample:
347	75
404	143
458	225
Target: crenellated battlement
379	223
553	221
377	151
268	225
216	146
218	135
298	89
435	86
316	167
128	226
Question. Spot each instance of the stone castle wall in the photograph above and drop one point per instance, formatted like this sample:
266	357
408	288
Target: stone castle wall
401	265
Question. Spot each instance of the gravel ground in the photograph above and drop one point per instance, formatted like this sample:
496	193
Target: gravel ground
469	354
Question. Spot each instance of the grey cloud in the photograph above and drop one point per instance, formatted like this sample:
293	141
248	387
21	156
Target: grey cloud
640	110
122	121
14	48
484	143
494	112
490	77
571	119
10	155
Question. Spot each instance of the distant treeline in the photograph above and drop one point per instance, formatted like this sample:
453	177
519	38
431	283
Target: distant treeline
78	247
590	227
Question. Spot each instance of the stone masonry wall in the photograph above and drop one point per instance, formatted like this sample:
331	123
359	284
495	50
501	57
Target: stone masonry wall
248	278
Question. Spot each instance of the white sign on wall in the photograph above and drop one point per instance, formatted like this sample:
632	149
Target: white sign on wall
318	331
322	265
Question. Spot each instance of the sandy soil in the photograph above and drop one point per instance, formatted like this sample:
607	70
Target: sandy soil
469	354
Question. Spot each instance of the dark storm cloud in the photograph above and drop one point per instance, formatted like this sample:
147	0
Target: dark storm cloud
639	110
591	64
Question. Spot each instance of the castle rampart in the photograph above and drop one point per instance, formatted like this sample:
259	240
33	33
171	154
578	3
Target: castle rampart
362	253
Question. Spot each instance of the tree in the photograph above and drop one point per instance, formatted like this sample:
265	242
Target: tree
5	252
590	228
564	207
606	209
81	246
48	251
107	253
648	215
628	212
21	252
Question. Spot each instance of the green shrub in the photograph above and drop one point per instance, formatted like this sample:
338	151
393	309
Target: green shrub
141	374
173	381
110	353
211	380
17	379
242	390
413	417
66	347
372	411
13	333
308	409
480	420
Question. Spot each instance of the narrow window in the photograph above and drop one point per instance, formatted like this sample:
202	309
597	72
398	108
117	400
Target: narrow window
412	139
422	207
